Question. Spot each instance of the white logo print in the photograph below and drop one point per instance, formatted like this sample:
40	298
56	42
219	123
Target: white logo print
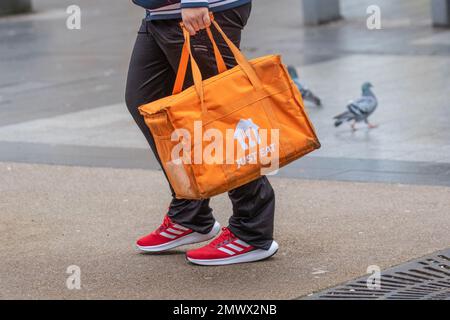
255	145
246	128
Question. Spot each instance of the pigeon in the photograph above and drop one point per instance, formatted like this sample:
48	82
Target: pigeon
306	93
359	110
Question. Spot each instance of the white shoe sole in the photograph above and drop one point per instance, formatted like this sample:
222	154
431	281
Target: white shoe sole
191	238
252	256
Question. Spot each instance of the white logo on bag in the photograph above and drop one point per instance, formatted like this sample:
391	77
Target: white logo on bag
214	146
246	128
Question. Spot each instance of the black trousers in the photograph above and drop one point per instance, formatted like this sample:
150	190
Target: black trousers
151	76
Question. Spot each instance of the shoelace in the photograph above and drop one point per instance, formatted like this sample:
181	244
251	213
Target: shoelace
225	237
166	224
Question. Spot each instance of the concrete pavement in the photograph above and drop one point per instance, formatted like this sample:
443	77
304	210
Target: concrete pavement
329	232
78	183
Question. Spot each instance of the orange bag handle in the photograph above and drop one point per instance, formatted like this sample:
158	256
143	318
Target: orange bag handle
186	55
221	66
240	59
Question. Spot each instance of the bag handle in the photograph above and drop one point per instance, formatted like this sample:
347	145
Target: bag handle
187	55
221	66
184	60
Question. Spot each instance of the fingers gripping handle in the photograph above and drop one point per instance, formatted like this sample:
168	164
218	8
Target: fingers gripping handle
187	55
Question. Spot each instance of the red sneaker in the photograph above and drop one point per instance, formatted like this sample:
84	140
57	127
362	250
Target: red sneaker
171	235
228	249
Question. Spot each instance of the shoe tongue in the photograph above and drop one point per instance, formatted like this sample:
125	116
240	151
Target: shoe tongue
166	223
225	235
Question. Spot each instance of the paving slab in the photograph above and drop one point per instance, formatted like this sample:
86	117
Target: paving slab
329	232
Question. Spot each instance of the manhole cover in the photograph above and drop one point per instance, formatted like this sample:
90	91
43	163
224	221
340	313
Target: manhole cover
427	278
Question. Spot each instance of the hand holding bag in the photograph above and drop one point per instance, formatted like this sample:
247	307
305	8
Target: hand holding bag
228	130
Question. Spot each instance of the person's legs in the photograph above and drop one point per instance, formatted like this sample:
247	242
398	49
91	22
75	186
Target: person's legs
253	213
151	77
253	203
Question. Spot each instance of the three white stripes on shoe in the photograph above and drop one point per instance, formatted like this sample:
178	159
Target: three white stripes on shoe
231	248
172	233
226	249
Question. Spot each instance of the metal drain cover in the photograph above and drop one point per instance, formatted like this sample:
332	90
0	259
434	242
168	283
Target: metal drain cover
426	278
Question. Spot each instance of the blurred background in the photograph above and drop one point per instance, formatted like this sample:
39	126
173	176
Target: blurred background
78	183
62	91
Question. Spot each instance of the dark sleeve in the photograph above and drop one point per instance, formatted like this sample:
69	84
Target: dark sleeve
154	4
194	3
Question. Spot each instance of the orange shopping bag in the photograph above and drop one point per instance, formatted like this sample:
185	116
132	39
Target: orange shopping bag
228	130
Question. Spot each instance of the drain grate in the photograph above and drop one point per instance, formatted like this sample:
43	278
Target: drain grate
426	278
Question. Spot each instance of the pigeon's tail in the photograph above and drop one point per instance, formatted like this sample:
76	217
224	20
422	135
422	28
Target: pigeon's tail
337	123
310	96
341	118
317	100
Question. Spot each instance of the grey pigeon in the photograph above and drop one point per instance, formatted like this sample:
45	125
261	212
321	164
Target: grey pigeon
306	93
359	110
